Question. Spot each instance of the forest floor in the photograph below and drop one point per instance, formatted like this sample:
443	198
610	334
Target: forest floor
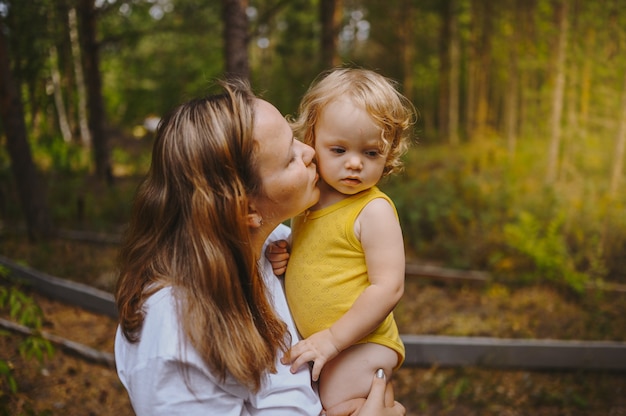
69	385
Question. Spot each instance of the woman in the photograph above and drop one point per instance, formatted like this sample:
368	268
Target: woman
203	321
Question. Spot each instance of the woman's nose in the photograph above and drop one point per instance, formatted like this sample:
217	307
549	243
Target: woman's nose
308	153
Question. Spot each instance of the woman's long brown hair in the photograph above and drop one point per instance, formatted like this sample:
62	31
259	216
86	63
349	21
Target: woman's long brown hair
188	231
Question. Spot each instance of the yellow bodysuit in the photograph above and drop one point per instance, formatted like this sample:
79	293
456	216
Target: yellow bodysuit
327	271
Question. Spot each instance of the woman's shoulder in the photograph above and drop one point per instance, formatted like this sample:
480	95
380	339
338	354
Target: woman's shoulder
160	325
162	298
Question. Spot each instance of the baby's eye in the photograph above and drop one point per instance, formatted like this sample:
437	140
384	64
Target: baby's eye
338	150
372	153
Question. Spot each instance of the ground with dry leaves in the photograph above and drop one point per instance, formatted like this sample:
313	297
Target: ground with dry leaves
72	386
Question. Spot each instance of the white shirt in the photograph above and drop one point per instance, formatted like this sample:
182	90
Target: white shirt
151	369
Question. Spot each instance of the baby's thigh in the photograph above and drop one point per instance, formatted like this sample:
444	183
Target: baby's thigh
349	375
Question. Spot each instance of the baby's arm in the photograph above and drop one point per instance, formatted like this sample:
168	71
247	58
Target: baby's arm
379	231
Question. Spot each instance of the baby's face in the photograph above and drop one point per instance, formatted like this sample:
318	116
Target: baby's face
348	147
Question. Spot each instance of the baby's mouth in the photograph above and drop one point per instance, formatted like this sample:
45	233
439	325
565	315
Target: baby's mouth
351	181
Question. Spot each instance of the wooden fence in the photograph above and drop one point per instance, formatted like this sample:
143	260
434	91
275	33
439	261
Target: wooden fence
422	350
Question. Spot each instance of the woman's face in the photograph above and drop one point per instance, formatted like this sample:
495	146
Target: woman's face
286	166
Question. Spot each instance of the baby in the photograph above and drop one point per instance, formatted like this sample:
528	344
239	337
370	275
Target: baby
345	270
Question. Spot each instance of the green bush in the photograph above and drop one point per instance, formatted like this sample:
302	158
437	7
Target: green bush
541	253
24	310
450	212
478	207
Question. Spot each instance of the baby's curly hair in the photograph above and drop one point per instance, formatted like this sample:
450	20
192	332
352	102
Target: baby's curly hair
378	95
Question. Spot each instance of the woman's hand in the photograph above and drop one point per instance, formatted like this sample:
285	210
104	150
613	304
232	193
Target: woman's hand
375	403
277	253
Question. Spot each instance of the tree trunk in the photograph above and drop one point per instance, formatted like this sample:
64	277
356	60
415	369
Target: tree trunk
483	13
557	95
620	146
585	81
470	96
236	38
59	102
329	18
83	123
455	74
511	109
444	71
93	84
29	185
478	68
408	49
511	99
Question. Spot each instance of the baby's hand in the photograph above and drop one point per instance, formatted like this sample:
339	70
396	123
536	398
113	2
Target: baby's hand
319	348
277	253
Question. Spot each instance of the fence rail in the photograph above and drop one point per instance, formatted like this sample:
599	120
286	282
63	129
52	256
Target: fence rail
421	350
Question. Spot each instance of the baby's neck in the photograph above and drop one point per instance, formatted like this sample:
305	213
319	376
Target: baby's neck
328	199
328	196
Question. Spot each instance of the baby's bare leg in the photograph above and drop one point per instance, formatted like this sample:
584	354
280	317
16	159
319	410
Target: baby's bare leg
348	376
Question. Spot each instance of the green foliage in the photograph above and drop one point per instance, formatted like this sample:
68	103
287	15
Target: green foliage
30	45
152	60
287	62
450	205
477	207
54	155
543	250
6	372
78	200
24	310
608	248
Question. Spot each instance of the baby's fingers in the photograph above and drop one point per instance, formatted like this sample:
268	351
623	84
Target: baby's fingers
278	255
301	360
279	271
273	256
278	247
318	364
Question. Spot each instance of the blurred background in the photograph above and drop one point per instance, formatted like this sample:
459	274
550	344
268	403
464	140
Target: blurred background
517	166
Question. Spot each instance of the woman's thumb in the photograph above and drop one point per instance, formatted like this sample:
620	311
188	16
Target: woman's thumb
379	380
375	403
376	397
